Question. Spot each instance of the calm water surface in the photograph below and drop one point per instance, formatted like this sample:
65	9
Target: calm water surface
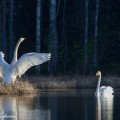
52	105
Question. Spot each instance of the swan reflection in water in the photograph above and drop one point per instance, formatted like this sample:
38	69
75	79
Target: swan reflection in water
22	108
104	108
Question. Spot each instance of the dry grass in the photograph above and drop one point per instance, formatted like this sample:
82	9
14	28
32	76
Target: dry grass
18	88
31	85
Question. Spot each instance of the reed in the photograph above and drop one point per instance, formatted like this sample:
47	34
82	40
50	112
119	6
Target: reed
76	81
34	84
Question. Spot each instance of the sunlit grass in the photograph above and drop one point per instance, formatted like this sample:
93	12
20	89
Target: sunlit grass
18	88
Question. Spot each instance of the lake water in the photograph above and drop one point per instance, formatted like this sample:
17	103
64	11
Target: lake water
60	105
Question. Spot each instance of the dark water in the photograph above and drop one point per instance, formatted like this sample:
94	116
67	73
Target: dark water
69	105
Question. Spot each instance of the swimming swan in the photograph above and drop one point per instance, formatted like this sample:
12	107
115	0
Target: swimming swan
105	91
9	72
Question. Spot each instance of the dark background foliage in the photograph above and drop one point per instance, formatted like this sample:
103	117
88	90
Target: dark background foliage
70	33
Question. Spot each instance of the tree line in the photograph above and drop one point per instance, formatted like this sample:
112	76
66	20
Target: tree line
81	35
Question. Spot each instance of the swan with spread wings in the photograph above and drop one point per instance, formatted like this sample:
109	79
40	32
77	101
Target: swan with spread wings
9	72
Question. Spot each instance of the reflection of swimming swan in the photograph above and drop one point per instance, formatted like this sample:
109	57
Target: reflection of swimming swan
103	91
104	108
98	108
9	72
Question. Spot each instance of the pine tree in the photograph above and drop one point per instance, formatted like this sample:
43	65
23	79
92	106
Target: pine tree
95	54
86	38
53	43
11	35
38	31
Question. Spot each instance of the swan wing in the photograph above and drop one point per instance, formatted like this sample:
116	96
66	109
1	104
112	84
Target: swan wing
28	60
3	67
109	89
102	89
106	91
1	70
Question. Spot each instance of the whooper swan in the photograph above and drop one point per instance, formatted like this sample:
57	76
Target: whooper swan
9	72
104	91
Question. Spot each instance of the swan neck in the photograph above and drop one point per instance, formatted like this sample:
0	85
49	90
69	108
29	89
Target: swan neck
98	86
16	51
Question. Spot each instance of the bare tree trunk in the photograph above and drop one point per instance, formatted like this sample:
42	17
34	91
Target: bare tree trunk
4	38
0	24
53	43
38	31
58	8
11	36
65	56
95	56
64	40
85	67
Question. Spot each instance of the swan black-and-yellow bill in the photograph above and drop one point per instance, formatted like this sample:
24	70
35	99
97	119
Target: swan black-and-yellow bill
104	91
9	72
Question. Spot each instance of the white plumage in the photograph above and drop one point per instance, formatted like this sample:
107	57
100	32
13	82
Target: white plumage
9	72
104	91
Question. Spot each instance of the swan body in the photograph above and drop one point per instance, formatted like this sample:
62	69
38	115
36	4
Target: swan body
104	91
9	72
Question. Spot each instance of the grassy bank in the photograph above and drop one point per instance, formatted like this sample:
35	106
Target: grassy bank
31	85
18	88
76	81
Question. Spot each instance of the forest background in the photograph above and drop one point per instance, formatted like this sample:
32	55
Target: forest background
82	35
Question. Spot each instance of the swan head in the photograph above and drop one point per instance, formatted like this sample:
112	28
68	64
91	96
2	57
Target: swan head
2	54
98	73
22	39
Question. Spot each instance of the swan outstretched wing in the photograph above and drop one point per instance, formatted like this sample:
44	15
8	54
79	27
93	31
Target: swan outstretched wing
1	70
3	67
28	60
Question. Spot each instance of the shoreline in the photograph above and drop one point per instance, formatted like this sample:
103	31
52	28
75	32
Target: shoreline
36	84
